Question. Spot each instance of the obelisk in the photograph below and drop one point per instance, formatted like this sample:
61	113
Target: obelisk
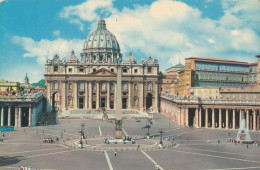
119	103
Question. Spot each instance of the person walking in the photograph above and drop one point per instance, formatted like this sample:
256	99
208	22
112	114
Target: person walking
115	154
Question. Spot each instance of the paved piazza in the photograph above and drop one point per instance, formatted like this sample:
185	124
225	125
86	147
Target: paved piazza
195	149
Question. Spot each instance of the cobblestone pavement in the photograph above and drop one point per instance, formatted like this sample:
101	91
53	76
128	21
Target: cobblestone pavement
195	149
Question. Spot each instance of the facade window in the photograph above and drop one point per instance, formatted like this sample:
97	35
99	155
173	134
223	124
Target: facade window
149	70
111	86
56	86
124	70
103	86
124	86
187	76
135	70
94	70
55	68
70	86
81	70
70	70
112	70
149	87
81	86
94	58
94	87
135	87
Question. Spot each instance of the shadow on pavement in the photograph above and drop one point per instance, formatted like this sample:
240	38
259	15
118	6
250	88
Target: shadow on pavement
9	160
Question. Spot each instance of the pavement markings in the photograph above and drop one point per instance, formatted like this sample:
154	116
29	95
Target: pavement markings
151	159
218	152
223	157
30	151
237	168
100	133
124	132
108	160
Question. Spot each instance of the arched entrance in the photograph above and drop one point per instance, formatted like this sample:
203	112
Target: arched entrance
149	100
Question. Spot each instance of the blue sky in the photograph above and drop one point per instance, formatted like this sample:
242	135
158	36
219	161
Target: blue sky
33	30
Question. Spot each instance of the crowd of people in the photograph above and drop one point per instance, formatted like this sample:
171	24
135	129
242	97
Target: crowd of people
47	140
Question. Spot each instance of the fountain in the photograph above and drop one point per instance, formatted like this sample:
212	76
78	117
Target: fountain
243	135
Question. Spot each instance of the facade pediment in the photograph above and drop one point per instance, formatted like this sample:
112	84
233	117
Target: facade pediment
103	72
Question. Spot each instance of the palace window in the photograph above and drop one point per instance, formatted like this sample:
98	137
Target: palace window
70	70
81	86
135	70
124	70
55	68
112	70
81	69
103	86
124	86
111	86
149	87
56	86
94	70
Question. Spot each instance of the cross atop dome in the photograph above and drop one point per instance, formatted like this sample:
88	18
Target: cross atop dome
101	22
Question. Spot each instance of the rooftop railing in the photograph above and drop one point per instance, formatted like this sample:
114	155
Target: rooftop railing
19	97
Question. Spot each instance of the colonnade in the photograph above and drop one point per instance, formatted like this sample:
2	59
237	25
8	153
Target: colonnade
211	116
15	116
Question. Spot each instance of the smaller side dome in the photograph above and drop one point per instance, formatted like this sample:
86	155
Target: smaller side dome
130	59
72	58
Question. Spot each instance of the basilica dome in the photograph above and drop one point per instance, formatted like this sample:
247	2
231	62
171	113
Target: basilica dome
101	39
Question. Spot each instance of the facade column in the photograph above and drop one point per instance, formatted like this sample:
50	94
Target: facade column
254	120
2	117
76	95
129	95
30	117
247	119
115	95
16	116
86	95
141	98
196	118
98	98
90	96
213	118
9	116
227	125
206	118
200	110
234	119
64	95
156	99
108	95
20	117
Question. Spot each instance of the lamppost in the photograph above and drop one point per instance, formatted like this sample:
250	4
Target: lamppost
161	132
148	125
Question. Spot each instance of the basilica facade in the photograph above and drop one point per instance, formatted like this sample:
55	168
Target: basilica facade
90	82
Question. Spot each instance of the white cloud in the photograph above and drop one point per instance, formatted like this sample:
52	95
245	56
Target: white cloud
47	49
56	33
2	1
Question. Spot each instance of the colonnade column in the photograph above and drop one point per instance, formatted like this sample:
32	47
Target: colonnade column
20	117
247	119
254	120
30	117
86	95
76	95
108	95
179	116
187	116
9	116
90	96
234	119
206	118
213	118
219	118
240	117
97	100
2	117
129	96
227	119
200	110
196	118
